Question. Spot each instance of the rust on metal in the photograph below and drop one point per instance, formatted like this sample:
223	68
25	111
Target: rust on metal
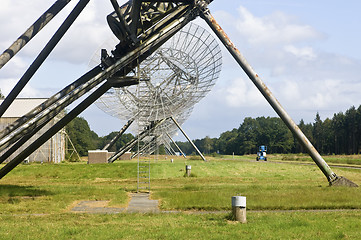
330	175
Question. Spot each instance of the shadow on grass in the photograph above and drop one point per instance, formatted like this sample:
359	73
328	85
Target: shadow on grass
22	191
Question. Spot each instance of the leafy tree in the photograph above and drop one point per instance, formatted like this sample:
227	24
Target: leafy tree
223	143
122	141
307	130
82	137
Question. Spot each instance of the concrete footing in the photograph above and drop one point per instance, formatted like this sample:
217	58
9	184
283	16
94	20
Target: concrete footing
188	170
342	182
239	209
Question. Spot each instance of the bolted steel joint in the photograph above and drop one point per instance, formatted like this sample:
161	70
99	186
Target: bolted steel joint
202	5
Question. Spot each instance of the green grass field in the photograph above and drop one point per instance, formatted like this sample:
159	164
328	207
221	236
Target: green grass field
36	199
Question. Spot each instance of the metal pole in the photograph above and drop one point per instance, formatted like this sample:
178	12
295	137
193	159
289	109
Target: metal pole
170	148
43	55
189	140
179	149
55	98
32	31
132	143
330	175
141	52
27	128
53	130
26	134
125	148
112	142
149	45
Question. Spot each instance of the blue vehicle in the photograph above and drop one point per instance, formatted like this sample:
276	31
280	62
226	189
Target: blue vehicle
261	154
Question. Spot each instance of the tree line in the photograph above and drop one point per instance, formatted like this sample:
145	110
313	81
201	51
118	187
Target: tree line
84	139
338	135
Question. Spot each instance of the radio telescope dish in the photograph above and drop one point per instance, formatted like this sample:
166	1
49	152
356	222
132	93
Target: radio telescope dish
174	78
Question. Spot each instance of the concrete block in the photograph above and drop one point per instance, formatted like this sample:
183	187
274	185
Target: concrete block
97	156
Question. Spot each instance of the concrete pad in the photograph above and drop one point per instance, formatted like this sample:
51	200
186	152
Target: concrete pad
140	203
95	207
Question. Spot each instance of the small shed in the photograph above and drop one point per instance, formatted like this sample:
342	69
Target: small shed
51	151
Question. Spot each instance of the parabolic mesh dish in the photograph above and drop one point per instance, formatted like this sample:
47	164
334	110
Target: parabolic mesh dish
179	74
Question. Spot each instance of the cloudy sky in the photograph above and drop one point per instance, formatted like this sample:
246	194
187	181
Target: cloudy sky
307	52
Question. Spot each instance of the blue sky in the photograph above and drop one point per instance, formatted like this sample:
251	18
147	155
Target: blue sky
307	52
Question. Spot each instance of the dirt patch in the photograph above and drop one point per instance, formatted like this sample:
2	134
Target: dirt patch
95	207
138	203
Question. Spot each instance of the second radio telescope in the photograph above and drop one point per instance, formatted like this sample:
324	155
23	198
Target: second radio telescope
180	73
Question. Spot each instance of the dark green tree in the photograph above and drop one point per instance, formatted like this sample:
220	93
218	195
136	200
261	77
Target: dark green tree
307	129
82	137
122	141
351	125
318	132
338	126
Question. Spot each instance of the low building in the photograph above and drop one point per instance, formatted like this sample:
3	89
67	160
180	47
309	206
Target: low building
51	151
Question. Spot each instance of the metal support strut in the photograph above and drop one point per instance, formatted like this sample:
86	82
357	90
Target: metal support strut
332	178
32	31
176	145
119	134
43	55
189	140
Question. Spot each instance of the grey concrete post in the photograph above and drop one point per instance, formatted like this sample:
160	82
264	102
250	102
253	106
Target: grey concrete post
239	208
188	170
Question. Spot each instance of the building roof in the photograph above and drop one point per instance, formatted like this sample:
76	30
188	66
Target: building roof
22	106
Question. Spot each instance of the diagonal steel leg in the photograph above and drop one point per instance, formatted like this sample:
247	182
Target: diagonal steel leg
32	31
119	134
179	149
189	140
43	55
321	163
53	130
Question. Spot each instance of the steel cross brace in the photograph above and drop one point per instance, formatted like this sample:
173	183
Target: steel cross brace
166	28
134	141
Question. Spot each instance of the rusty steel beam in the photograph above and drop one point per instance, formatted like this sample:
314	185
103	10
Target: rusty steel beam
43	55
332	178
32	31
54	129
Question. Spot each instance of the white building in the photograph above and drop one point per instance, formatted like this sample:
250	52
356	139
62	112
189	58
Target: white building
51	151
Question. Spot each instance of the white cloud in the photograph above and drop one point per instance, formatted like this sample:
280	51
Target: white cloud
284	53
275	29
279	46
239	93
306	53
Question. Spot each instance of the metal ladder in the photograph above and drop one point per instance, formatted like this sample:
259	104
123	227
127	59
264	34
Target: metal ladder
143	183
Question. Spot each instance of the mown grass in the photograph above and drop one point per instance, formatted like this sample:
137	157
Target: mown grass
331	159
51	188
266	186
261	225
35	201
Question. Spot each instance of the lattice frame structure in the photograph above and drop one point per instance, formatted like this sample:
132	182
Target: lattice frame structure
172	80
